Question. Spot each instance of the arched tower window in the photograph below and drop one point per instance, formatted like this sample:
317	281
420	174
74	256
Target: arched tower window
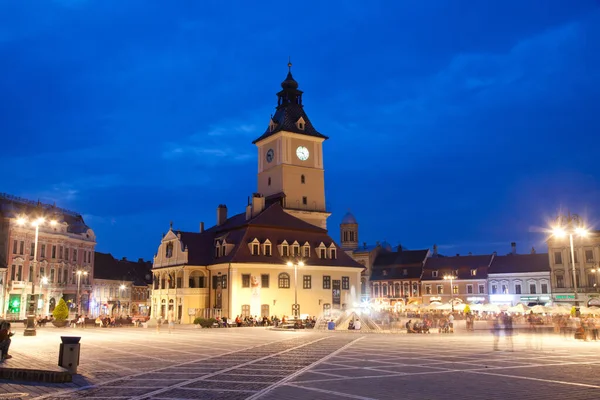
269	181
302	179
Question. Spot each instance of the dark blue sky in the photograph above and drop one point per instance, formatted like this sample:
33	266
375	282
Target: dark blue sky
461	123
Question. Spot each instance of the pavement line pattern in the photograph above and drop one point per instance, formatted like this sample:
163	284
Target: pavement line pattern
108	382
534	379
303	370
205	377
331	392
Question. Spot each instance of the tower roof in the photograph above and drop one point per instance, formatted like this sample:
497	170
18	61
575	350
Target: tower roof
349	219
289	111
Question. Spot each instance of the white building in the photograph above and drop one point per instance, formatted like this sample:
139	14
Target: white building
519	278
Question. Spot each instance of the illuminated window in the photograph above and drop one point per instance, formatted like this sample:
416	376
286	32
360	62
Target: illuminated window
284	281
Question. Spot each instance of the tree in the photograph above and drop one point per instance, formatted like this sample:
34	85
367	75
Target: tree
61	311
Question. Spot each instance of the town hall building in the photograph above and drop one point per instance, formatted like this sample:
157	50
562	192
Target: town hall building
276	257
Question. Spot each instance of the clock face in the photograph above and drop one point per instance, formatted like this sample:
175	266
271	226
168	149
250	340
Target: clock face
270	155
302	153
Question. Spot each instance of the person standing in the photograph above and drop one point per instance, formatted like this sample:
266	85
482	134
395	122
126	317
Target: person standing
171	320
508	331
496	332
5	335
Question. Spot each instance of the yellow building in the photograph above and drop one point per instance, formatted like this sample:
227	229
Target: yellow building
277	253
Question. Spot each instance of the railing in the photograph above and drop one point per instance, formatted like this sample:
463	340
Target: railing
28	202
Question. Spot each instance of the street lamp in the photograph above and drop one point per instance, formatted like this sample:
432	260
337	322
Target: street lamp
121	289
296	306
571	225
451	278
79	273
30	327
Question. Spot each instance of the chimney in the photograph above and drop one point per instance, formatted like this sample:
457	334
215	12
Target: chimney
532	250
470	253
435	250
201	226
124	259
221	214
513	248
141	260
248	212
258	204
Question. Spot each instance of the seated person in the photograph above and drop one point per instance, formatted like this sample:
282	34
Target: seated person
409	327
5	335
357	325
351	325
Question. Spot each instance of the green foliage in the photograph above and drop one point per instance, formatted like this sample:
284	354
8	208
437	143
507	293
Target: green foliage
61	311
205	322
467	309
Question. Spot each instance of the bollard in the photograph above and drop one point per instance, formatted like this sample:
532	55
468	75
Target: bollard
68	356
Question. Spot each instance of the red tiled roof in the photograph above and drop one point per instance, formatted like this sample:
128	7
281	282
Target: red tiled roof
460	266
519	263
274	224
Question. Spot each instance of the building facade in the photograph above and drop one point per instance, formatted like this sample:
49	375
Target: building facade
240	265
396	276
519	278
61	266
586	267
121	287
468	283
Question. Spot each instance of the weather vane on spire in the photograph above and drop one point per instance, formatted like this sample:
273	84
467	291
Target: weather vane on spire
289	64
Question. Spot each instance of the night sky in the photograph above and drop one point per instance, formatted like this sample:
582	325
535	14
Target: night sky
462	123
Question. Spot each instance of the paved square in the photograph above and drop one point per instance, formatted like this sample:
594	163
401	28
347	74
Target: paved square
255	363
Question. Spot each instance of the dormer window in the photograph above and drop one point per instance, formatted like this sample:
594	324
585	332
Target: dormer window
332	251
296	249
224	250
434	274
405	272
217	251
474	272
306	250
272	125
284	249
267	248
169	250
300	124
384	272
322	250
254	247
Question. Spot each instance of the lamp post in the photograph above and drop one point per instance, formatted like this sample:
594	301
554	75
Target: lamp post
571	225
30	327
451	278
43	281
296	306
121	289
79	273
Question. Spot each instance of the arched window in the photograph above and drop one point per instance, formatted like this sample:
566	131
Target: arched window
302	179
284	281
169	250
269	181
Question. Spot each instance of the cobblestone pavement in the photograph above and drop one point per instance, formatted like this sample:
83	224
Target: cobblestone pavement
253	363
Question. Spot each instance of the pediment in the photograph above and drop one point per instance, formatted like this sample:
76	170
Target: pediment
170	236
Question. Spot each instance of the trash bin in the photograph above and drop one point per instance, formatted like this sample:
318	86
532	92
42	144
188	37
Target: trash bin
331	325
68	355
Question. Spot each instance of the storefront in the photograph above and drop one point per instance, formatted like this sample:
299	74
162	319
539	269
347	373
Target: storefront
531	301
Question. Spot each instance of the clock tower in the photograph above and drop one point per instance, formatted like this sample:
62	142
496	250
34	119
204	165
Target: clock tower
290	159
